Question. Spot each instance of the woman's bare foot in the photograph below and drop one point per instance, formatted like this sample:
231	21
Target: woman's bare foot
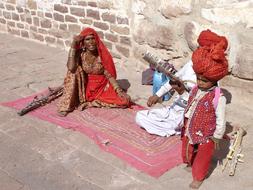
195	184
85	105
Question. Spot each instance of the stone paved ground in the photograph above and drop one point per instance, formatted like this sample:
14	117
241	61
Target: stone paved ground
37	155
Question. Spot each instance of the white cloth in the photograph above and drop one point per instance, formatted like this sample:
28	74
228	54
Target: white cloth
186	73
168	120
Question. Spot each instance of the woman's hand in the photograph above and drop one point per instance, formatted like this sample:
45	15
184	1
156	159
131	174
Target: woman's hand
152	100
77	40
122	94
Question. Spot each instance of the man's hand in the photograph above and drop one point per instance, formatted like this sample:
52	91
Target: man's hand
178	85
152	100
216	143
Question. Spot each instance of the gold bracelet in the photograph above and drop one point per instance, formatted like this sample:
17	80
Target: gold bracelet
113	82
72	52
115	86
118	89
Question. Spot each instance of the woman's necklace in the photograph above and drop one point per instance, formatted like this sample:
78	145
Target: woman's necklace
89	58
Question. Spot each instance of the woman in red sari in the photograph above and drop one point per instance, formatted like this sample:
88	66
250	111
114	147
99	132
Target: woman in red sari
91	76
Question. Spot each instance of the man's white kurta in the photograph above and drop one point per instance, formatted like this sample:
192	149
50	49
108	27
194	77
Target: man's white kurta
168	120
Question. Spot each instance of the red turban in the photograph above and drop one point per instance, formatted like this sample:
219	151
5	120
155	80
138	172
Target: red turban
103	52
209	59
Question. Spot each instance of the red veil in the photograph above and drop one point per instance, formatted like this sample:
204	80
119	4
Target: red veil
103	52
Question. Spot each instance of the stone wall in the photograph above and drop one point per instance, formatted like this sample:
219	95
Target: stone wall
54	22
169	28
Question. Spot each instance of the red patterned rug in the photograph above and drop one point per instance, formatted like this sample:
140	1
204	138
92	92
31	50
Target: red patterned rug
115	131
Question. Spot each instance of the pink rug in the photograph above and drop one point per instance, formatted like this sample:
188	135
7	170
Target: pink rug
115	131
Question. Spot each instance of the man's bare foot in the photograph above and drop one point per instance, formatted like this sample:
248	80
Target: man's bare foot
195	184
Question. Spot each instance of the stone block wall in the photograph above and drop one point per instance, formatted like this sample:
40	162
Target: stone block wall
55	22
168	28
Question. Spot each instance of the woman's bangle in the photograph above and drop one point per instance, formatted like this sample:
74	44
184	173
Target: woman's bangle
118	90
72	52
